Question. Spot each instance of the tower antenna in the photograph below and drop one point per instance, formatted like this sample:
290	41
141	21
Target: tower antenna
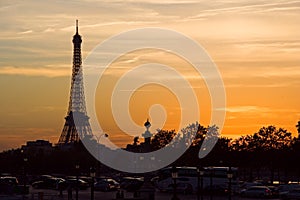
76	26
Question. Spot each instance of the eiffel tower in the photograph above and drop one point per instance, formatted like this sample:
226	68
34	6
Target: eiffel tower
71	133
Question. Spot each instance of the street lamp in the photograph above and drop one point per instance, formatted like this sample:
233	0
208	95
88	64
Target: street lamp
174	177
98	143
24	187
229	176
92	174
211	183
99	137
198	183
200	173
77	179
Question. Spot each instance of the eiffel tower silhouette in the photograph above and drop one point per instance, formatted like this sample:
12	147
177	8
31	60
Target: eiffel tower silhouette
71	133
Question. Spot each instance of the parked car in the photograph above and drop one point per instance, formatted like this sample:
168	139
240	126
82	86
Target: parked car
184	188
293	194
50	183
216	189
106	184
257	191
131	184
40	178
86	179
8	184
81	184
275	191
284	189
247	185
10	180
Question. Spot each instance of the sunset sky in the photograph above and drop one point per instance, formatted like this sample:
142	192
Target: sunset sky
255	44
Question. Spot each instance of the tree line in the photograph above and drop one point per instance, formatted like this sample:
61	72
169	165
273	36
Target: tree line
270	151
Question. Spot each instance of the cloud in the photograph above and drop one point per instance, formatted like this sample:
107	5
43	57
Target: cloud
113	23
244	7
25	32
260	71
238	109
49	108
37	71
14	137
257	109
275	45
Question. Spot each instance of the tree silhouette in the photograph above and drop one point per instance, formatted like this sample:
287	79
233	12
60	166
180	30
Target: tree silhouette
135	147
201	133
243	143
267	138
135	141
270	138
162	138
298	129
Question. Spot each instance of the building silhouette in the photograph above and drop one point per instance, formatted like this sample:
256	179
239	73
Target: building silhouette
77	122
37	147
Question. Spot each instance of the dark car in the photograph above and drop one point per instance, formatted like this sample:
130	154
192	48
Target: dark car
216	189
80	184
275	191
50	183
40	178
247	185
184	188
8	184
10	180
45	184
131	184
106	184
257	191
293	194
284	189
86	179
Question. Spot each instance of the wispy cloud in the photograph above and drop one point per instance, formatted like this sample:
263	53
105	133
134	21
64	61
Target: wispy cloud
245	7
261	71
238	109
257	109
113	23
25	32
37	71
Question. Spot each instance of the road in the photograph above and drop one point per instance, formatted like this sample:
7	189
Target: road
86	195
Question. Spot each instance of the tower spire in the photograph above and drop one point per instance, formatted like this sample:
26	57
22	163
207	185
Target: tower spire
76	26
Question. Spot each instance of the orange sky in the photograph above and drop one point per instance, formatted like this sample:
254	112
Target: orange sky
255	45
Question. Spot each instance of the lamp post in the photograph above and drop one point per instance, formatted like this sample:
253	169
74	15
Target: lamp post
211	183
174	177
92	174
98	143
229	176
24	186
99	137
198	183
201	174
77	179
